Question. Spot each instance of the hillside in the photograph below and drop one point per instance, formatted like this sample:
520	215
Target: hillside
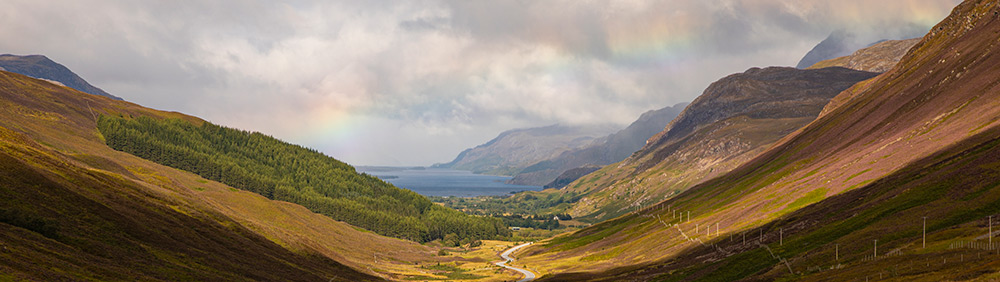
516	149
918	141
610	149
39	66
277	170
72	208
733	121
876	58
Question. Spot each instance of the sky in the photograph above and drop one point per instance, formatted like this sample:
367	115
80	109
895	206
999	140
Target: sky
407	83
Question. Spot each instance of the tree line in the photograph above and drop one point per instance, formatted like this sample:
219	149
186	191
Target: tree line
281	171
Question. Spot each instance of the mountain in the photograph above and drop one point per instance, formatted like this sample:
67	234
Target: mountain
516	149
73	208
843	198
838	43
734	120
42	67
610	149
877	58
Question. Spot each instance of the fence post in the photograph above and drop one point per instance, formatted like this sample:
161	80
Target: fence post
924	246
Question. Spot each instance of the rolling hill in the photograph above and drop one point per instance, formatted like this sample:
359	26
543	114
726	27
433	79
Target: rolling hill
842	198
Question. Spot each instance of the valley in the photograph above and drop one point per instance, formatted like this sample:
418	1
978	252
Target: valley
863	163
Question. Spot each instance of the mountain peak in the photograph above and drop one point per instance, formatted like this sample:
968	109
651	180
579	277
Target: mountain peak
41	67
837	44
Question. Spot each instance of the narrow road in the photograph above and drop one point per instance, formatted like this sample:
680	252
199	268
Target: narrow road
528	275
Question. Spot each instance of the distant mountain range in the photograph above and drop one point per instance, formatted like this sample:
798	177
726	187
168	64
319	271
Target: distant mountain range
42	67
575	163
513	150
560	170
552	154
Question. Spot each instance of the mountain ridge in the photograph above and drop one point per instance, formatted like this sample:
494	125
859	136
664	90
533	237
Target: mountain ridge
879	57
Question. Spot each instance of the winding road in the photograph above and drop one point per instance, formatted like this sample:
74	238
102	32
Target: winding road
528	275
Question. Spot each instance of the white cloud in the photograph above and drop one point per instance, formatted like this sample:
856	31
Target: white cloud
415	82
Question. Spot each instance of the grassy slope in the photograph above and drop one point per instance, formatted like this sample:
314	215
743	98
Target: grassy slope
50	132
615	191
868	133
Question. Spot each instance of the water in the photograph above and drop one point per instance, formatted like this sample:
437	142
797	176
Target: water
445	182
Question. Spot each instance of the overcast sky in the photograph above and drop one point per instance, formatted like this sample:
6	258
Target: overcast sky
416	82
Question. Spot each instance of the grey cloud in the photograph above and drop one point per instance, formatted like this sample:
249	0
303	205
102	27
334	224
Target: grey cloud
425	23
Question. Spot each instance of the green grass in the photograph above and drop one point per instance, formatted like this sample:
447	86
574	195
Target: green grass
856	174
809	198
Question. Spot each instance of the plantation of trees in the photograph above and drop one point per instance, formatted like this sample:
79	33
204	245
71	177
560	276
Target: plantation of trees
281	171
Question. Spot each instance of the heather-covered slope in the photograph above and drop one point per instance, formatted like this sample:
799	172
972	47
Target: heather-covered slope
607	150
71	208
516	149
919	140
879	57
734	120
39	66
